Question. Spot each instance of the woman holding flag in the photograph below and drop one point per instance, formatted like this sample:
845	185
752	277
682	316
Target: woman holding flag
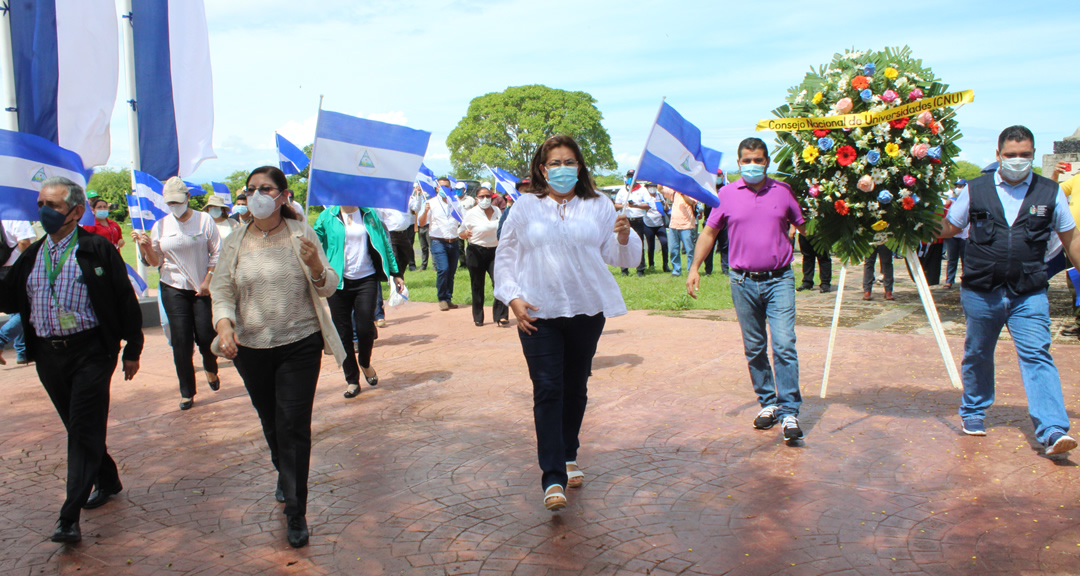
551	267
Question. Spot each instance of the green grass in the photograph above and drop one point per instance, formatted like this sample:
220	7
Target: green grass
658	290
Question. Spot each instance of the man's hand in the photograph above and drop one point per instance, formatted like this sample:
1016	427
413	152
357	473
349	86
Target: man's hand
465	234
692	279
521	312
131	367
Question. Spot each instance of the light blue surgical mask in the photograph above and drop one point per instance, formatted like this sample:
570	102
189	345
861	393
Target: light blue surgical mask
101	214
241	209
752	173
215	212
562	178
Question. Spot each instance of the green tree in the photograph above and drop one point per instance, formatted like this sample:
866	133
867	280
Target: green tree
966	170
504	129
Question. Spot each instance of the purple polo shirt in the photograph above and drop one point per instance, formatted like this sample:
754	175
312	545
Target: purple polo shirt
757	224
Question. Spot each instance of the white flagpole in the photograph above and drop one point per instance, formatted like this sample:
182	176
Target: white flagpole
641	158
932	316
7	70
133	117
832	331
311	164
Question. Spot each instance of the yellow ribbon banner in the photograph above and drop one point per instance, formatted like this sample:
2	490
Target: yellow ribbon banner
867	118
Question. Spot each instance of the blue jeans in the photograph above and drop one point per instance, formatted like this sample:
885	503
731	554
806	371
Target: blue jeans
1028	319
677	239
12	332
954	249
773	300
445	255
559	355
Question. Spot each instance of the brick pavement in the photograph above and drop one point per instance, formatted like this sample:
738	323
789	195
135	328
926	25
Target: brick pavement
433	471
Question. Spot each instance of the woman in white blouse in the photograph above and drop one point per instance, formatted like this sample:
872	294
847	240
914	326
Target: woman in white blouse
479	227
551	267
185	246
270	322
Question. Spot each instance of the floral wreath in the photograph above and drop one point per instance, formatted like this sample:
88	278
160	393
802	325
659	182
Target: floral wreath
883	184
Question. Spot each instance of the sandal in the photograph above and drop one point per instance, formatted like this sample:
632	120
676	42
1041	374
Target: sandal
574	476
554	499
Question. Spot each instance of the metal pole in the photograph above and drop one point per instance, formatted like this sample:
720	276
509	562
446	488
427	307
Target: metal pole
641	158
133	118
7	83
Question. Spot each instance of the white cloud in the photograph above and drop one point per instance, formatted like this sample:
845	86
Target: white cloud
300	133
392	117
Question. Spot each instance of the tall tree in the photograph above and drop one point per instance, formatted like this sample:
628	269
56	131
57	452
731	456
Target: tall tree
504	129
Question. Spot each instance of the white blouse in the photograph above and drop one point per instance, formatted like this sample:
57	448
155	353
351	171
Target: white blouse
186	249
484	230
556	256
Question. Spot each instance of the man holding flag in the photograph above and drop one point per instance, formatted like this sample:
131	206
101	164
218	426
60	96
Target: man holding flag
442	221
632	202
758	211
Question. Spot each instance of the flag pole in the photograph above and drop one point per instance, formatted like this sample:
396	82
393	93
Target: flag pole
133	118
10	111
314	143
641	158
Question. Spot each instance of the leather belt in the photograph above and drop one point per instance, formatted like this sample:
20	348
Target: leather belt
71	340
766	275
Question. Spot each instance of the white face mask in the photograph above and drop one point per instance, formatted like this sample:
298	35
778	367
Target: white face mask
484	203
178	210
1015	169
215	212
261	205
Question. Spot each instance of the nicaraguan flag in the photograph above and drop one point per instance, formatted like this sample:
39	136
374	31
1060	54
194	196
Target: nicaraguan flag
222	191
147	205
291	159
675	158
359	162
426	179
173	85
66	67
505	182
26	161
137	282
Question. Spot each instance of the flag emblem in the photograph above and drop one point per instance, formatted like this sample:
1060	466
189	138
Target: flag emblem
686	165
366	163
39	176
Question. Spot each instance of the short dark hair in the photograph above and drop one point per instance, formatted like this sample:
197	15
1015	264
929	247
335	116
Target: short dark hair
94	202
278	177
752	144
1016	133
584	188
241	196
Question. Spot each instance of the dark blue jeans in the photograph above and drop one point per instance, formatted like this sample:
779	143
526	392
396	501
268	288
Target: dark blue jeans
445	255
559	355
761	303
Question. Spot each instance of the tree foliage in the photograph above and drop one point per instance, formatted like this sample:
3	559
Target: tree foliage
966	170
504	129
113	185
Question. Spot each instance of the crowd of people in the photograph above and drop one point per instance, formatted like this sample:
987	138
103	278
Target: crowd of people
248	286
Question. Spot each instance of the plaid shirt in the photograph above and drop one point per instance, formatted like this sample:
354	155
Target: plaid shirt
70	292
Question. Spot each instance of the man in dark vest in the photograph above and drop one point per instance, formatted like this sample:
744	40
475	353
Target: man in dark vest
1012	213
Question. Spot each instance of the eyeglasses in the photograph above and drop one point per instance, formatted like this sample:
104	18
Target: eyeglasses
557	163
264	189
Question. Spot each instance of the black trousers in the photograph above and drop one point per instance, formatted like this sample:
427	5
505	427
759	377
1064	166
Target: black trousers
190	322
425	245
810	256
721	246
559	355
638	226
481	260
355	301
401	244
652	234
281	382
77	378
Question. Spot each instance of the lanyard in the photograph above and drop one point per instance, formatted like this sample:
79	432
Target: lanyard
54	272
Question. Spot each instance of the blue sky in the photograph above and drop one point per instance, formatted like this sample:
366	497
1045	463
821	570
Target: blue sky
722	65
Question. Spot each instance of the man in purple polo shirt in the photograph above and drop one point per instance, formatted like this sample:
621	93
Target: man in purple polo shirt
758	212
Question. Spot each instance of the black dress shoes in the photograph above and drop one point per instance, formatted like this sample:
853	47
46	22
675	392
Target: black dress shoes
186	404
297	531
67	531
804	287
825	288
100	496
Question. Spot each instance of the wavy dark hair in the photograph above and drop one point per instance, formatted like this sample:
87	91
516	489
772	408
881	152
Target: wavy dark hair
584	188
275	174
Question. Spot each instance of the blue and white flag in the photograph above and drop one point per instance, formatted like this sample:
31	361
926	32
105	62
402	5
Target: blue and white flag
222	191
359	162
147	205
674	157
66	66
1074	276
26	161
451	196
426	179
505	182
174	86
137	282
291	159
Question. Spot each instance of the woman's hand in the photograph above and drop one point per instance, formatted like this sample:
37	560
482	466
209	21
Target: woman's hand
521	312
399	282
622	228
309	253
227	337
465	234
141	238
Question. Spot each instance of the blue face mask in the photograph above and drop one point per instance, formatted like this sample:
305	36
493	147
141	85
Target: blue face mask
752	173
101	214
241	209
628	181
51	220
563	178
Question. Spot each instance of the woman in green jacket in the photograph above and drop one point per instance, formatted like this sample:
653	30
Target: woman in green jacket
358	247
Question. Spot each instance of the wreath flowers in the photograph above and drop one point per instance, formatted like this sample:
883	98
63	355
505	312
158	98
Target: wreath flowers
846	180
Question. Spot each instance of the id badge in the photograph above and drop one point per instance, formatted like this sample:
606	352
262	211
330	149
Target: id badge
67	320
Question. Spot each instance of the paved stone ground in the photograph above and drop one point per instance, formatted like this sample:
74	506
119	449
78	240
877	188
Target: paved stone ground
433	471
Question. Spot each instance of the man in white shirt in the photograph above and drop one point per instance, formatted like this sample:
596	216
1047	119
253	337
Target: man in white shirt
443	233
16	236
631	202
